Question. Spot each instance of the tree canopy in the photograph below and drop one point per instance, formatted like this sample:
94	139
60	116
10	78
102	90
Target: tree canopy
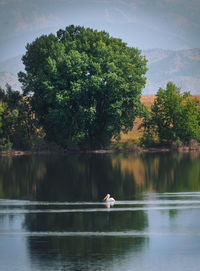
85	85
174	117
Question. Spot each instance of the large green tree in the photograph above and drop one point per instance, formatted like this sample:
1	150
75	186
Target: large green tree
174	117
85	85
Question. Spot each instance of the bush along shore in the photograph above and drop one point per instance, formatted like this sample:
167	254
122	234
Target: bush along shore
116	147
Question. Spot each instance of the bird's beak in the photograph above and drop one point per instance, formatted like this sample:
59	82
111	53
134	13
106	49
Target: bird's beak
105	197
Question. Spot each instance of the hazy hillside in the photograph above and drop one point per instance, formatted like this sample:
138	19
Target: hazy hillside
182	67
12	65
9	70
11	79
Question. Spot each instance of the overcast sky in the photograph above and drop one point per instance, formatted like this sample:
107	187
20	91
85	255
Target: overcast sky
145	24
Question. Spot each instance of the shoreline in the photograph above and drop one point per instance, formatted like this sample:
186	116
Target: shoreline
14	153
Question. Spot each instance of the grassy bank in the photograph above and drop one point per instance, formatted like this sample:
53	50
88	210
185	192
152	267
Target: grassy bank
130	141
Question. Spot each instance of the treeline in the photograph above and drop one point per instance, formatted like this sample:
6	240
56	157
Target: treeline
173	120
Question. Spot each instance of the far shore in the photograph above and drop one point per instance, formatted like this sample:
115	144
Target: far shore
138	150
131	138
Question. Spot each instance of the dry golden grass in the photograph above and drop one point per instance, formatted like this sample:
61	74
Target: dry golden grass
198	97
135	134
148	100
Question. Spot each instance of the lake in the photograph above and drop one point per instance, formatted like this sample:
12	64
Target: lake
52	216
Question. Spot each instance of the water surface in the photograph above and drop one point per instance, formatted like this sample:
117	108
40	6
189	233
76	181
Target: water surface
52	216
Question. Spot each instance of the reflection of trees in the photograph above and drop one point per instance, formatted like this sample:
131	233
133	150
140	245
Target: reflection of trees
89	178
20	176
131	165
73	178
82	253
73	248
86	221
172	172
84	178
161	172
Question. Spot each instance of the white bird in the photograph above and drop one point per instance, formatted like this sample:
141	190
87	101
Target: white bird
109	199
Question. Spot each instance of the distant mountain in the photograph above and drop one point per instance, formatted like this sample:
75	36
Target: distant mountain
11	79
12	65
9	70
181	67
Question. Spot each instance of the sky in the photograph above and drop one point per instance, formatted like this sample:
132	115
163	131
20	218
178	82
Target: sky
145	24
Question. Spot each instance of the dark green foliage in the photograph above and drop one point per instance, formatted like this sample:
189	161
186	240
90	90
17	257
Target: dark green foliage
174	117
85	86
18	127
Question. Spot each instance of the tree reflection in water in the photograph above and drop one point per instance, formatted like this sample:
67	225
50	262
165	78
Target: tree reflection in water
86	179
90	177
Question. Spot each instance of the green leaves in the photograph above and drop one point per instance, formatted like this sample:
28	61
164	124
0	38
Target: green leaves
84	83
18	126
174	116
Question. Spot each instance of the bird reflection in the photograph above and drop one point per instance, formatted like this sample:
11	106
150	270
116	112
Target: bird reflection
109	204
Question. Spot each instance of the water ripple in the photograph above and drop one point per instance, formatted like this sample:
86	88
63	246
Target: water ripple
87	210
84	203
97	233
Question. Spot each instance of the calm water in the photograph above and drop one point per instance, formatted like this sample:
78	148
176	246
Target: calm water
52	216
